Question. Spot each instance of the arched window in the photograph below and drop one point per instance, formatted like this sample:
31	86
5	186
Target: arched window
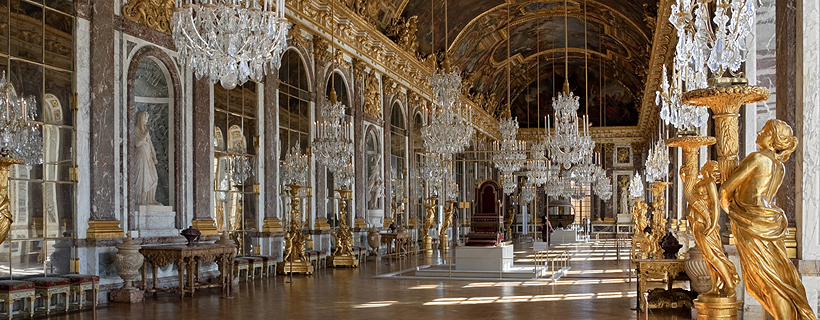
294	113
235	158
332	204
398	164
418	149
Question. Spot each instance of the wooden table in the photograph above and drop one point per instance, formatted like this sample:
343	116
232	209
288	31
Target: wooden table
398	242
668	268
189	258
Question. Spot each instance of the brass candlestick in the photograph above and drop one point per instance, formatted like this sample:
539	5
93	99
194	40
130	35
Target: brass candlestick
725	103
294	256
343	253
443	239
430	205
658	218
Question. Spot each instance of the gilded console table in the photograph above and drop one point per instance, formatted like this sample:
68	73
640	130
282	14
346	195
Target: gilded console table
188	258
398	242
649	268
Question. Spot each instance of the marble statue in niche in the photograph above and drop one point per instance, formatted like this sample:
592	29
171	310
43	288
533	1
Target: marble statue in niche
375	183
145	160
623	186
152	94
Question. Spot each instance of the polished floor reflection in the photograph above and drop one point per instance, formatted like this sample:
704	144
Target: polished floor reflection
596	288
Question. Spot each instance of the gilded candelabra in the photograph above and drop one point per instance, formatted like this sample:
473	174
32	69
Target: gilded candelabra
343	254
430	206
443	239
725	103
659	219
294	255
6	217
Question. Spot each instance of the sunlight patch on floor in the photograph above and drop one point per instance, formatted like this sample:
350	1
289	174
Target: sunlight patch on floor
532	298
374	304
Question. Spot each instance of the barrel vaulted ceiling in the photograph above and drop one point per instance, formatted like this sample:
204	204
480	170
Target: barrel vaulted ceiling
609	74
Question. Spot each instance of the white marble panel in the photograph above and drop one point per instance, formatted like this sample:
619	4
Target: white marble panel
808	188
83	125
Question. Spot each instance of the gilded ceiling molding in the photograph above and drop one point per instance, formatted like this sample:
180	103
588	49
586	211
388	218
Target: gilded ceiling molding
403	32
340	60
390	86
600	135
663	50
372	96
156	14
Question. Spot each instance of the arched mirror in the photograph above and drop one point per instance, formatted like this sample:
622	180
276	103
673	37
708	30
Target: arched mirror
398	165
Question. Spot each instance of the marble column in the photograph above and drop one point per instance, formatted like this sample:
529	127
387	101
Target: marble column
387	111
103	222
203	157
359	152
272	220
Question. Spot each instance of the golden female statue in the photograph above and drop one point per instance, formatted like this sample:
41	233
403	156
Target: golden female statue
760	226
703	217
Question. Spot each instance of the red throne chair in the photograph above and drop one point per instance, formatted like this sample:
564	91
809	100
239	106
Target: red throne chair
487	222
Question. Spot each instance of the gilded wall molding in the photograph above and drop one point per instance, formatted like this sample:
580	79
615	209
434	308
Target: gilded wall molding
321	48
663	50
372	96
297	39
156	14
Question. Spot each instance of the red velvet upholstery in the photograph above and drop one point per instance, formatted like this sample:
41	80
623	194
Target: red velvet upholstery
251	259
241	261
14	285
47	282
81	278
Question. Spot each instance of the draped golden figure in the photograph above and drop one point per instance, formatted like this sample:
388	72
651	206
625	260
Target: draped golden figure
703	216
760	226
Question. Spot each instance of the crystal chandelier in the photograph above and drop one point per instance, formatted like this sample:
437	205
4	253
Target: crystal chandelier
603	185
636	186
537	170
528	191
509	183
21	137
295	166
673	111
433	170
711	41
230	41
509	155
657	163
449	130
333	141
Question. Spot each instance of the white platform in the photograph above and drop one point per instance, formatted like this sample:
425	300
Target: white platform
513	272
560	236
155	221
496	258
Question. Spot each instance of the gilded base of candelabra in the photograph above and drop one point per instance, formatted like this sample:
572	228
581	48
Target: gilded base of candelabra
298	266
712	307
443	242
428	244
342	261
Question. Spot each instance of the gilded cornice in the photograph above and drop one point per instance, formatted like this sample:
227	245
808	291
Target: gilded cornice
599	135
156	14
663	50
321	48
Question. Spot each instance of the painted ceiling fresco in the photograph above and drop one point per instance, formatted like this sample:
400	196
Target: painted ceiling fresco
617	37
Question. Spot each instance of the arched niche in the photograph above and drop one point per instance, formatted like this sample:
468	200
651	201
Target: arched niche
154	88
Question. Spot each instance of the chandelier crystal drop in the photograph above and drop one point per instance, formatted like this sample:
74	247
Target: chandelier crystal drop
657	163
295	166
230	41
711	41
20	136
673	111
636	186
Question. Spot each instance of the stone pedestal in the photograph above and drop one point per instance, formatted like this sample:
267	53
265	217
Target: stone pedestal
496	258
342	261
127	296
717	307
375	217
155	221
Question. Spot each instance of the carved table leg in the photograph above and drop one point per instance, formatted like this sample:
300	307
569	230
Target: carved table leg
191	266
155	269
181	273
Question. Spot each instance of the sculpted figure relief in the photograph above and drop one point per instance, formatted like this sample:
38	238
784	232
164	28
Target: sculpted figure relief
759	226
375	183
703	216
145	160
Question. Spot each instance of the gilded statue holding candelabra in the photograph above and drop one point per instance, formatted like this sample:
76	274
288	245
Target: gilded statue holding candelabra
644	243
6	217
443	239
703	216
430	206
294	256
760	226
659	219
343	253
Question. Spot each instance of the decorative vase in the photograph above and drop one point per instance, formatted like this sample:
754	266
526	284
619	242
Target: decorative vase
190	234
374	239
697	270
670	246
128	261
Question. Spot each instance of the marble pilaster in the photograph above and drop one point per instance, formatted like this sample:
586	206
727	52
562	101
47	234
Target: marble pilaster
786	81
807	155
83	122
272	218
387	112
359	153
102	125
203	157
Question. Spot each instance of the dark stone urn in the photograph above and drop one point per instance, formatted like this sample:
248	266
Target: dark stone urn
190	234
670	246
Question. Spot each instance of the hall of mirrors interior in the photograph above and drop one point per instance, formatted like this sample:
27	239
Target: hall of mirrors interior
624	159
